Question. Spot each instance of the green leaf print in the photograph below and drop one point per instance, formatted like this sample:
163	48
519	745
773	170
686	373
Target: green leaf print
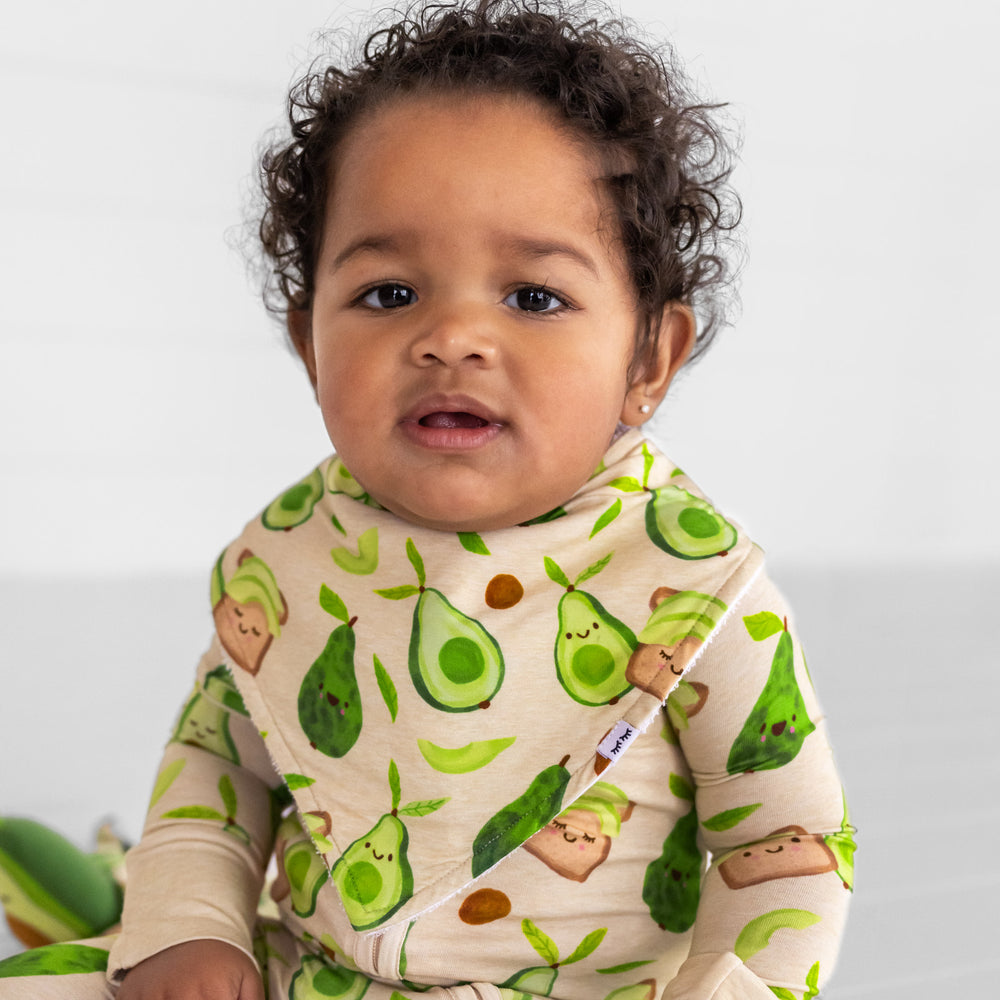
165	779
555	574
296	781
681	788
586	947
228	794
398	593
647	463
812	981
627	484
416	561
729	818
332	604
593	569
614	970
607	517
762	625
423	807
394	786
473	543
541	942
386	687
194	812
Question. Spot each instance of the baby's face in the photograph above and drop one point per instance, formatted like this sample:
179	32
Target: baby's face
473	322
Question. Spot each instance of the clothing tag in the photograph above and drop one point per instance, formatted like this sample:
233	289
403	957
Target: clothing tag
617	740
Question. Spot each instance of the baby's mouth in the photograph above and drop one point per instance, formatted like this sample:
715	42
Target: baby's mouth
449	419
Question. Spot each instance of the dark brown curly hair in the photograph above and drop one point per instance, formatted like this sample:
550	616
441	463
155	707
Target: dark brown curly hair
668	158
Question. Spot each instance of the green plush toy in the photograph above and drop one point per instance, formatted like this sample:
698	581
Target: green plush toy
52	891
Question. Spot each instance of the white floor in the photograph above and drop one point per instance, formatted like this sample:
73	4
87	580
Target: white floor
901	660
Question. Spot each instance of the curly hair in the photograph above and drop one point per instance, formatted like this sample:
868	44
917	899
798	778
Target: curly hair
668	159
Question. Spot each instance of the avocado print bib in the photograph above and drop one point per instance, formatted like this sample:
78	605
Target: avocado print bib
432	699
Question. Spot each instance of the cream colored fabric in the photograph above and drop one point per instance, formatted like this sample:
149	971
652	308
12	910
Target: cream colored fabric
600	900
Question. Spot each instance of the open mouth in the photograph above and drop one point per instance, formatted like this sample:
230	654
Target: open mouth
449	419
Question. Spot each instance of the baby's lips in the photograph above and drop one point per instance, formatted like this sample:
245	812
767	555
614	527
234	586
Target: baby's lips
451	411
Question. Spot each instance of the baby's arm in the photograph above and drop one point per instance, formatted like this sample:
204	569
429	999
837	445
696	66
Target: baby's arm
771	811
195	878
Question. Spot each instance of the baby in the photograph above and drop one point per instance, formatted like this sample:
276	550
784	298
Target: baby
514	706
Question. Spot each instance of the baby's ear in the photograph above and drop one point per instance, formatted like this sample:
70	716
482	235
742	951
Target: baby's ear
677	327
300	333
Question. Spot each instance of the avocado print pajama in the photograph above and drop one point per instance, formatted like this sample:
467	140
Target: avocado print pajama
580	758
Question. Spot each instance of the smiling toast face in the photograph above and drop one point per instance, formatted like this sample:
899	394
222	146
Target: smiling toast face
657	669
786	853
571	844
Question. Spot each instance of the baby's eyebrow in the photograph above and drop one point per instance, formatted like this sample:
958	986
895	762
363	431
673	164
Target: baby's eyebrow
375	243
537	249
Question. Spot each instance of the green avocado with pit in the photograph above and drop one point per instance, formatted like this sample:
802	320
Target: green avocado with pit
506	830
687	526
329	699
319	980
373	875
455	664
672	884
592	650
778	724
295	505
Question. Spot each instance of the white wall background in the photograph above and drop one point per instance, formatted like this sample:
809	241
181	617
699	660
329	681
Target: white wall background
133	345
860	382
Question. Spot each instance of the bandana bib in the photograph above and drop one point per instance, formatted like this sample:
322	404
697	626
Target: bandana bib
434	699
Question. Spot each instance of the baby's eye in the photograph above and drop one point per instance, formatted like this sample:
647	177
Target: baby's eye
534	298
389	297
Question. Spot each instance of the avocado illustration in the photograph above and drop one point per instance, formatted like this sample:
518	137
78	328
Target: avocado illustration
540	979
455	664
461	760
220	687
365	561
521	819
672	884
306	874
678	521
373	875
204	723
51	890
340	480
329	698
644	990
319	980
687	526
592	647
295	505
778	724
537	980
